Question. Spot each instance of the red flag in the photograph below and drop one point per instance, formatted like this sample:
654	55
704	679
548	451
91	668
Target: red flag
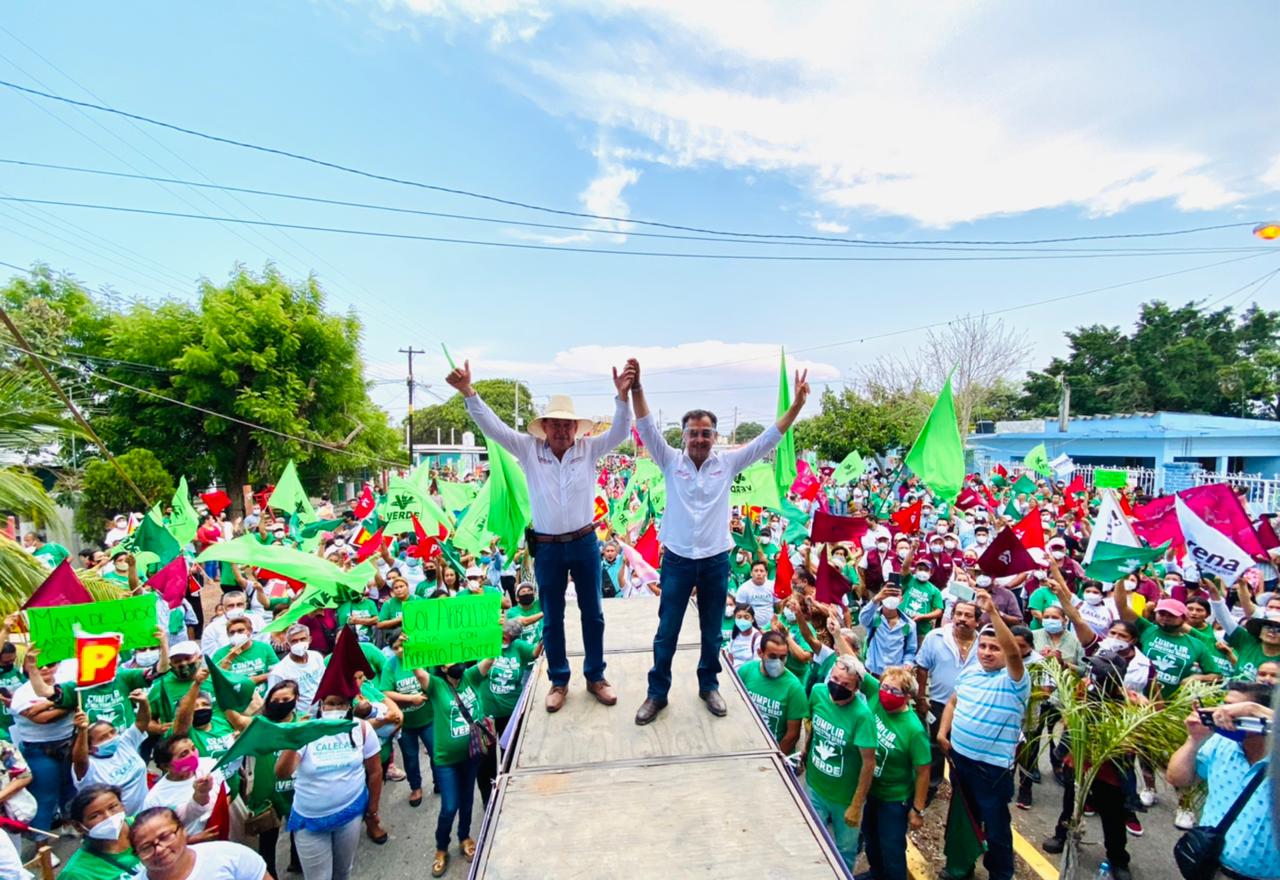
783	574
1030	530
428	546
1076	486
365	503
635	435
967	499
1267	534
1217	504
1006	556
347	659
172	581
991	499
908	519
999	469
828	528
220	817
96	658
832	586
216	501
647	545
369	547
1125	507
805	485
601	508
61	587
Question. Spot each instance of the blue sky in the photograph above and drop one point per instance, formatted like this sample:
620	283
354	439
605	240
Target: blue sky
982	121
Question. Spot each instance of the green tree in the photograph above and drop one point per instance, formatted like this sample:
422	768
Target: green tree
872	424
104	493
440	420
674	437
747	432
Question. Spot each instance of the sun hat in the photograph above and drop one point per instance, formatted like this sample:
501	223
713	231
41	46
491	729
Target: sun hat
560	407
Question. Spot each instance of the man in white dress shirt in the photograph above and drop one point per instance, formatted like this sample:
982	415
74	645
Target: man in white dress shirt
559	459
695	532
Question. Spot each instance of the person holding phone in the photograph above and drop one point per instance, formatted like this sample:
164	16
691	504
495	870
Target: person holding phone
891	637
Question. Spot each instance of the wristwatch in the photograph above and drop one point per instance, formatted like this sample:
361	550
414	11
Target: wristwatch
917	810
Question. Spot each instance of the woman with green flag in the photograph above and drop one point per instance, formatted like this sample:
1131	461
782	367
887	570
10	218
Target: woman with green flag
268	797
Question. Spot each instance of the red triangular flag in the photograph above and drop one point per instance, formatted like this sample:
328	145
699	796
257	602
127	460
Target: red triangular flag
999	469
427	547
601	511
347	659
829	529
635	435
783	574
1076	486
805	485
1030	530
369	547
172	581
216	501
61	587
832	586
908	519
991	499
220	817
1124	504
968	498
365	503
1006	556
647	545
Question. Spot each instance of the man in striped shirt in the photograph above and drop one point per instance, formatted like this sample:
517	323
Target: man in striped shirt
980	730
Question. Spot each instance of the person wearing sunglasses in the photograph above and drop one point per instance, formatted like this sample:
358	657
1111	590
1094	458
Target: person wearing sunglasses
695	533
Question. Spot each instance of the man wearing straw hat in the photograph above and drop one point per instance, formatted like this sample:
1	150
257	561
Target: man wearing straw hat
559	456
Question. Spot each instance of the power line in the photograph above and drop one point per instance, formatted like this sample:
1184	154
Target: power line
566	213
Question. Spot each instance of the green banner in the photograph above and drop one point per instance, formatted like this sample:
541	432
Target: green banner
473	535
52	629
404	501
443	631
1104	479
755	487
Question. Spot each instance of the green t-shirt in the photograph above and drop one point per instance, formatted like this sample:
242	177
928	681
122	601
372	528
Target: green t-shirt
110	702
256	659
834	760
1249	654
84	864
266	789
165	694
1172	656
506	678
391	609
1042	598
902	745
52	554
215	741
798	668
10	680
921	597
532	633
376	658
365	607
112	576
451	732
399	678
1218	661
778	700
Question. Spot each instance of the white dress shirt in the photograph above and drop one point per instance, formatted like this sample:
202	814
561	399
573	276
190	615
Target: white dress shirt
562	491
696	522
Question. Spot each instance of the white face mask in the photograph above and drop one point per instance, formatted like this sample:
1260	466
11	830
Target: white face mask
935	548
238	639
1058	554
892	602
882	546
943	528
981	539
983	580
299	649
108	828
235	613
146	658
950	543
1131	584
1093	598
333	714
1170	584
902	554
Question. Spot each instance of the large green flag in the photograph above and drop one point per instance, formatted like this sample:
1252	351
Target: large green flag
151	537
263	737
1113	561
313	529
291	563
456	496
404	501
746	539
784	457
1038	460
231	689
184	521
937	456
289	496
1024	485
473	533
850	469
508	498
756	487
963	843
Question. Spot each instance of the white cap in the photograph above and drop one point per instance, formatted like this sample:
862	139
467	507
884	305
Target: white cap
184	648
474	572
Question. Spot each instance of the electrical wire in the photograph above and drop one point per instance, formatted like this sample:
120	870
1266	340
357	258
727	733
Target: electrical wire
566	213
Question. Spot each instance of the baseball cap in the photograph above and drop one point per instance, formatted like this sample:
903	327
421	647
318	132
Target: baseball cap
1172	606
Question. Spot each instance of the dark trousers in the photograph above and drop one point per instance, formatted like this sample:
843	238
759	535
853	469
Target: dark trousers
457	796
488	771
679	577
1108	801
884	831
552	566
267	841
938	760
988	789
409	739
1029	752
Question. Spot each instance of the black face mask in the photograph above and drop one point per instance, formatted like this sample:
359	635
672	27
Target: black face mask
6	666
838	692
201	717
279	711
184	671
455	671
525	599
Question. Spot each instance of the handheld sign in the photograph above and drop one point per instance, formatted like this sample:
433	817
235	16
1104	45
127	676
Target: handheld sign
443	631
96	658
54	628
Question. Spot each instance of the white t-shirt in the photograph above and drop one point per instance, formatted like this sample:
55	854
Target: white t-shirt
26	730
307	675
10	862
125	769
174	794
224	860
330	775
760	597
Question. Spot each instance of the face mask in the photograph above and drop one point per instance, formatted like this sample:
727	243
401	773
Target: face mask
278	711
983	580
1131	584
980	539
922	575
838	692
455	671
935	548
525	599
238	639
882	546
1052	626
742	625
1170	584
942	529
107	749
146	658
892	602
235	613
1111	643
788	615
299	649
201	717
1093	598
892	702
1057	554
108	828
773	667
950	544
183	671
333	714
183	766
728	611
902	554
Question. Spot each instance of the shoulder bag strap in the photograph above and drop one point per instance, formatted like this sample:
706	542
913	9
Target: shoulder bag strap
1243	799
462	707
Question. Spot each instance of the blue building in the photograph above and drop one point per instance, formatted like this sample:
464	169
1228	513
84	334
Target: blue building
1176	442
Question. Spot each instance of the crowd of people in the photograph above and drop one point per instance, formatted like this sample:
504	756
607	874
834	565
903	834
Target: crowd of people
919	670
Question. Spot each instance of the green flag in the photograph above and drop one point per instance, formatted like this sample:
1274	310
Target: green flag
1107	479
756	487
151	537
313	529
1024	485
784	457
405	500
473	533
264	737
184	521
746	539
231	689
1038	460
850	469
646	482
963	844
508	498
1113	561
286	561
1011	510
289	496
937	456
456	496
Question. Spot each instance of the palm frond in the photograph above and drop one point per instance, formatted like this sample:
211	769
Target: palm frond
21	573
21	492
30	415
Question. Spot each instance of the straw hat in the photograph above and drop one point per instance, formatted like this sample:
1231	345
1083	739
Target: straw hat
560	407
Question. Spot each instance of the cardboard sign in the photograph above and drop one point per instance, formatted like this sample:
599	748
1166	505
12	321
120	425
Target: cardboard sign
453	630
53	628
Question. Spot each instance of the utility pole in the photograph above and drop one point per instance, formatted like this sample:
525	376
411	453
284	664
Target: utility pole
515	413
733	436
411	351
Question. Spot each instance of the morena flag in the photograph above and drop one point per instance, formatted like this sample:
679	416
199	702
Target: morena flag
96	658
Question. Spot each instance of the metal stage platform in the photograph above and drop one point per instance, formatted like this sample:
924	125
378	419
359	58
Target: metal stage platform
585	793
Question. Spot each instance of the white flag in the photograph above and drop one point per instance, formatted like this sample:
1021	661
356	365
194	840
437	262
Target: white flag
1213	552
1062	466
1110	526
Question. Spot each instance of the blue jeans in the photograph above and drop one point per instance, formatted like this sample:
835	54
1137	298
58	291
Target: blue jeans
457	797
884	826
50	765
409	739
678	579
831	814
552	566
988	790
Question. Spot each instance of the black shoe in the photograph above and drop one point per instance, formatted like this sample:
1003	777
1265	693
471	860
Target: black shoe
1035	776
715	703
1055	844
649	710
1023	800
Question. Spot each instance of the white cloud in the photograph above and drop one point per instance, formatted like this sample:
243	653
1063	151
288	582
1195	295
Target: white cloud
1271	177
942	112
602	196
831	226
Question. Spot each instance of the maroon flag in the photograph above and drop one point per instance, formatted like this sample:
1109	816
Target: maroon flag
1076	486
1217	504
171	582
828	528
1267	534
216	501
1006	556
61	587
832	586
339	678
969	498
805	485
